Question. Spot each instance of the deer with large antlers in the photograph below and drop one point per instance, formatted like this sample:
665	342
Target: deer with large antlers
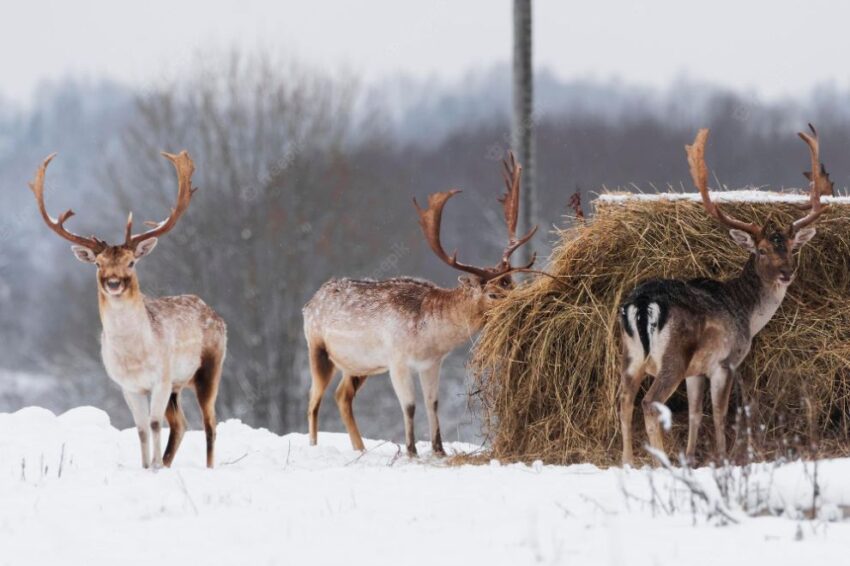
700	329
151	346
402	325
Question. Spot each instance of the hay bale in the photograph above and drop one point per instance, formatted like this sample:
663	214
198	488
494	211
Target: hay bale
547	362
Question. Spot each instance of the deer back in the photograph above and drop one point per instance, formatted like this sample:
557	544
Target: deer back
409	317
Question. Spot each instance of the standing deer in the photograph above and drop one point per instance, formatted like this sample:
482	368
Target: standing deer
151	346
401	325
691	330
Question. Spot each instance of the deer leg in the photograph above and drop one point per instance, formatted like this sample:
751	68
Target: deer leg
630	379
176	427
406	393
138	403
160	395
345	393
206	382
429	378
721	388
696	393
321	372
670	375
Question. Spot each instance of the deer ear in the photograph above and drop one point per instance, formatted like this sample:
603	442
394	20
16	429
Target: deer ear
803	236
743	239
144	247
84	254
468	281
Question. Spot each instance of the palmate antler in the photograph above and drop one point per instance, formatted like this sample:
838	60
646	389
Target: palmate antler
512	174
699	173
58	225
819	178
430	219
184	166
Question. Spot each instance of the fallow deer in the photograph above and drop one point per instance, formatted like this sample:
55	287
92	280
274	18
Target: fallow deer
402	325
151	346
691	330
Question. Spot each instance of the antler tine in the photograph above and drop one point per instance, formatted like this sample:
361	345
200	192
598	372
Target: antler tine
814	151
58	225
827	188
184	166
699	174
515	244
819	178
128	230
430	219
512	174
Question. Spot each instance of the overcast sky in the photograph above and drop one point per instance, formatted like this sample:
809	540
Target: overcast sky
775	48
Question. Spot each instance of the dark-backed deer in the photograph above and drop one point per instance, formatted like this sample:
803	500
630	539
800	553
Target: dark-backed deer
151	346
402	325
679	330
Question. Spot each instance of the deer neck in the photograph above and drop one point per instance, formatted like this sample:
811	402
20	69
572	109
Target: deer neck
455	314
125	314
756	298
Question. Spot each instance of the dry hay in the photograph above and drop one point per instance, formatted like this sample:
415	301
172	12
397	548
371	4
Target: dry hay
546	365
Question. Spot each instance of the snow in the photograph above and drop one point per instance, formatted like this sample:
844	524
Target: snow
72	491
747	195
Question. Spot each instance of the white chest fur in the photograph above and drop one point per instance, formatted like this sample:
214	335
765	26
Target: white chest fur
766	308
130	349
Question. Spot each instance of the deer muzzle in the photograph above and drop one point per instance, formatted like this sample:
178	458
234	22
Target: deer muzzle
114	285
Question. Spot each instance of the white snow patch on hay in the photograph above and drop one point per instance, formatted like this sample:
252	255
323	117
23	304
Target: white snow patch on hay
748	195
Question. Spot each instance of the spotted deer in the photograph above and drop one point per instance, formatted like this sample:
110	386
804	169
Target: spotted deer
151	346
402	325
700	329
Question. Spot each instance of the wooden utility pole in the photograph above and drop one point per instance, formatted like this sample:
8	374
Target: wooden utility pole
522	126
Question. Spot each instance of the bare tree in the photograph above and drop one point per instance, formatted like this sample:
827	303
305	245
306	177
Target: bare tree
279	189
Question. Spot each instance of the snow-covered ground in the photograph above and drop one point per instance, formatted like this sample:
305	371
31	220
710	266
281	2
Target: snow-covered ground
72	492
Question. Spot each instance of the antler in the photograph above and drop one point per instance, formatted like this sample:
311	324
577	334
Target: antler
512	174
699	173
58	225
185	167
510	203
430	219
820	183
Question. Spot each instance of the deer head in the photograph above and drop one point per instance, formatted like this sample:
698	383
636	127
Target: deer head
491	282
116	263
772	245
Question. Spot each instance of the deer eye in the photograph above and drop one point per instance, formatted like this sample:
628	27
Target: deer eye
762	252
131	264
